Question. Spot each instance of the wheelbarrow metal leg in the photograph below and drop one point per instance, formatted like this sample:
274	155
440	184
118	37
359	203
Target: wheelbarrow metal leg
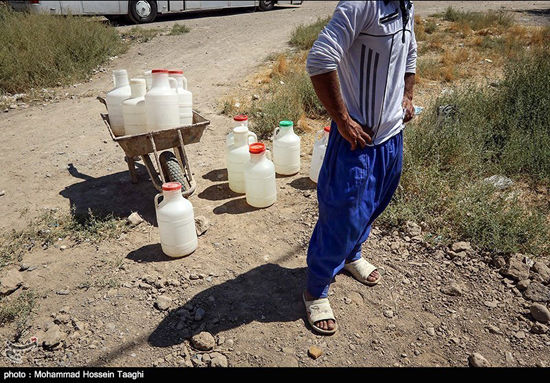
184	163
157	182
132	168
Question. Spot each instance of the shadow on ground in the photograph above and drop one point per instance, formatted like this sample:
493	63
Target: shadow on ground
112	194
269	293
149	254
218	175
304	184
218	193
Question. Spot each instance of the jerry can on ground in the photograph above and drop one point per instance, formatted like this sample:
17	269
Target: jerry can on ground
176	221
261	186
114	99
319	150
237	157
286	149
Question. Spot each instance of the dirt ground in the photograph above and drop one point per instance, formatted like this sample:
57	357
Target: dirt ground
243	285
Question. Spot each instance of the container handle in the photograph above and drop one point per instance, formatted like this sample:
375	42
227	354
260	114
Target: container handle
269	155
173	83
157	200
277	130
253	135
185	83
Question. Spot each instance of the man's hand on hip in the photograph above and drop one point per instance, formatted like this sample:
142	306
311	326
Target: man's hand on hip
354	133
409	109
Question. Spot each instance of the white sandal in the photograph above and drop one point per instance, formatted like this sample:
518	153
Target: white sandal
319	310
361	270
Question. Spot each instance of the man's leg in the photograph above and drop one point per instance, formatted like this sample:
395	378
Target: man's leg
390	154
344	213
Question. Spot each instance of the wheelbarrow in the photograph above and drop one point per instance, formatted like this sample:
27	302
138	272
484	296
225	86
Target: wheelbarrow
171	167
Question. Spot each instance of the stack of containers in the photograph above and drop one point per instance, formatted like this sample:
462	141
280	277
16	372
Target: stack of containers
159	101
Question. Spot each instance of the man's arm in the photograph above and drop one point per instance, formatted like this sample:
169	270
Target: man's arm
408	96
349	19
410	71
327	87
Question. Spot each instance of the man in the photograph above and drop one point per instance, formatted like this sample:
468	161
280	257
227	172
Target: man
362	67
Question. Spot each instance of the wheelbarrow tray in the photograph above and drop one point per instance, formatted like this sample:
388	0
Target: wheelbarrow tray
141	144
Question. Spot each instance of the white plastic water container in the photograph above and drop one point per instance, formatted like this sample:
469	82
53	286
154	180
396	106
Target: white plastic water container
114	100
240	120
185	98
286	149
237	156
261	187
133	109
319	150
162	103
176	220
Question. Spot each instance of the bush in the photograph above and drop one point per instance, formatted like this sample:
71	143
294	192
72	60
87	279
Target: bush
477	20
304	36
43	50
504	131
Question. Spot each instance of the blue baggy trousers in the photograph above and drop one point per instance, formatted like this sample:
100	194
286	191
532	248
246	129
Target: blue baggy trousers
354	188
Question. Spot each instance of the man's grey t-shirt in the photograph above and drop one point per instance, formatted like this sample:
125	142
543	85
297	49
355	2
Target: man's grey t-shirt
372	50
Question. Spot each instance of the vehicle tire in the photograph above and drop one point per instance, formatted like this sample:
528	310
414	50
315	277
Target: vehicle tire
172	169
142	11
266	5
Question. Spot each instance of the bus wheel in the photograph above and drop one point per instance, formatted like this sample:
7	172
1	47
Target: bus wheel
266	5
142	11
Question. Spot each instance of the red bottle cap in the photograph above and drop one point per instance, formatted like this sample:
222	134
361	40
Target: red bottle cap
257	148
171	186
159	71
327	129
175	72
241	117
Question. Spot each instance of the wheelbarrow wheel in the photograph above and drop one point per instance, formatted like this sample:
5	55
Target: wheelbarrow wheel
172	169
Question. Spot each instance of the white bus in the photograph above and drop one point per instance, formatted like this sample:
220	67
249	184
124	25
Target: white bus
137	11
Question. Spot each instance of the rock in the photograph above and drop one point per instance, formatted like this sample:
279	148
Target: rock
537	292
543	271
134	219
491	304
520	335
452	289
203	341
499	182
413	229
510	361
163	303
23	267
540	313
516	268
314	352
477	360
10	282
53	337
523	285
201	225
458	247
62	292
388	314
494	330
199	314
539	328
2	193
218	360
430	331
